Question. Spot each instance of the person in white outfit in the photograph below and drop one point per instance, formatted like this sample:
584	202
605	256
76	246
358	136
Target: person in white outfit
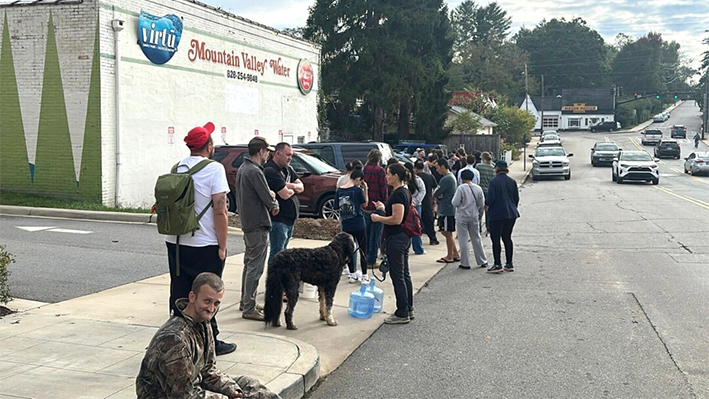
469	203
470	165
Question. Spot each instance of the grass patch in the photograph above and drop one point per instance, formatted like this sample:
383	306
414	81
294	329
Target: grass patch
42	201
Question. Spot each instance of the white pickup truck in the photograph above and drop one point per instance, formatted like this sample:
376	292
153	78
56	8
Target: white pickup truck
651	136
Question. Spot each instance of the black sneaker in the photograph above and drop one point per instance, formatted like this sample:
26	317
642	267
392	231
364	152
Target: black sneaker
434	242
483	265
222	348
411	314
509	267
495	269
463	267
394	319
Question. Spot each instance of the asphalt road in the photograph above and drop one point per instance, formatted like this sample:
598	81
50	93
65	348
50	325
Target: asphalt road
60	259
609	299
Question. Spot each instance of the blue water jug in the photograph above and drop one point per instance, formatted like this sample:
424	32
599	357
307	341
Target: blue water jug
361	303
378	296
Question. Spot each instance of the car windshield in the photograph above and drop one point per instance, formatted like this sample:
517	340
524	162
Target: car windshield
320	166
550	137
635	156
550	152
607	147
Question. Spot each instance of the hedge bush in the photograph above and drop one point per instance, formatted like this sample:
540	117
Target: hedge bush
5	259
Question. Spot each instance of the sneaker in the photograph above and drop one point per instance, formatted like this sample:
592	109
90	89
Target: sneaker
421	253
365	279
434	242
463	267
411	314
483	265
222	348
509	267
355	277
345	272
258	307
255	315
394	319
495	269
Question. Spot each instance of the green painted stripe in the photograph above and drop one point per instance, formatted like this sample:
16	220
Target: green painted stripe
185	69
205	33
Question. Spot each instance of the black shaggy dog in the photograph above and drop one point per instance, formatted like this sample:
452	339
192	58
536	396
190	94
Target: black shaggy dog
317	266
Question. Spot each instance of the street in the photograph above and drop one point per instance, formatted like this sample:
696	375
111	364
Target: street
60	259
609	298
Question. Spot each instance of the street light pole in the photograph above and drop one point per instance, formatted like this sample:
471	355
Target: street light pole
526	106
706	100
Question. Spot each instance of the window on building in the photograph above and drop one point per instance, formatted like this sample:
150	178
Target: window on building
551	121
574	122
301	139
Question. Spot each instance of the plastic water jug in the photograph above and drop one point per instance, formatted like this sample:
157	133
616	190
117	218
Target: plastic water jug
378	296
361	303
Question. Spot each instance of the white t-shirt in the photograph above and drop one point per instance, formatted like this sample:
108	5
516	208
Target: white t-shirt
476	174
207	182
342	180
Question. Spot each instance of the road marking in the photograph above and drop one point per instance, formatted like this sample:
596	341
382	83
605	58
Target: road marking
635	143
70	231
53	229
34	228
688	199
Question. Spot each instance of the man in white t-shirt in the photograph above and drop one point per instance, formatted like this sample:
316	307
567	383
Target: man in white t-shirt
205	249
470	165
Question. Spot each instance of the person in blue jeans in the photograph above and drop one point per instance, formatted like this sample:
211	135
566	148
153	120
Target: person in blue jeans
418	191
349	199
283	180
375	176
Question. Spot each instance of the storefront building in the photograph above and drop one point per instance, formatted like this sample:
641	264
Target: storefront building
573	109
96	96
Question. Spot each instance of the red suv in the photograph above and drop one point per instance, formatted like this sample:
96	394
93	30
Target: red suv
319	179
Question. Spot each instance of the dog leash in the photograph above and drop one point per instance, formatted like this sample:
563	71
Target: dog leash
383	269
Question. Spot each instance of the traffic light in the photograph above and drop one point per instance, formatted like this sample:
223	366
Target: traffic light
675	96
657	96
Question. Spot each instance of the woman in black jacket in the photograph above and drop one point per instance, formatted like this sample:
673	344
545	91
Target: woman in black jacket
501	206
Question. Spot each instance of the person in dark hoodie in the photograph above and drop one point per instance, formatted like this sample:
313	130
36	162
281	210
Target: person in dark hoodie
501	205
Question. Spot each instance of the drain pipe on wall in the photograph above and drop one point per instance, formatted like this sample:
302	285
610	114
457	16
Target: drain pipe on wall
118	26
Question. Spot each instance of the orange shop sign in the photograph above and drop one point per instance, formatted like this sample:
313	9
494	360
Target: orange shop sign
579	108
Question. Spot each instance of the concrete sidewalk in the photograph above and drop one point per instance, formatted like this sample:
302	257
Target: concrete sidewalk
91	347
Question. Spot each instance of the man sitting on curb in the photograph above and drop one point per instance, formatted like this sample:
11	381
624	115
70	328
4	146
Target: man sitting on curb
180	360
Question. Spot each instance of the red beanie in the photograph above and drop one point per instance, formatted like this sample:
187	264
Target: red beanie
198	137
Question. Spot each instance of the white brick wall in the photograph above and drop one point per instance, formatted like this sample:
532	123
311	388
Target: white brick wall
183	94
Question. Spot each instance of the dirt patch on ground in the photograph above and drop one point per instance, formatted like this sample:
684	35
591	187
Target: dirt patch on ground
5	311
307	228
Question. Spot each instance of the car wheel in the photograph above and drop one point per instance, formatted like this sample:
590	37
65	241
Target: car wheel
656	181
685	169
327	208
613	176
568	177
593	130
691	172
231	202
593	163
618	179
534	178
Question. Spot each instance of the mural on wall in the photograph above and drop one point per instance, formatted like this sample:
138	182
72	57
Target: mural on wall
53	172
14	166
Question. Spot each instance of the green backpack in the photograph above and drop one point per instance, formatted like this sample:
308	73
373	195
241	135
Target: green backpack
174	204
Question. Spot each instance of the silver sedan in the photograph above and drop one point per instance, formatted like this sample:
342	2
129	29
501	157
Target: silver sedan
697	163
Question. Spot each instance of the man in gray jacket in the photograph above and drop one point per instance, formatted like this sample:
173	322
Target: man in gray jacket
469	203
254	201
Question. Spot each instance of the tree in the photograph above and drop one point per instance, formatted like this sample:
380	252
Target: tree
466	123
568	53
377	55
512	123
486	26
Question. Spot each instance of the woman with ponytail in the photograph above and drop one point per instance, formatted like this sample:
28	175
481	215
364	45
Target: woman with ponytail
396	242
351	166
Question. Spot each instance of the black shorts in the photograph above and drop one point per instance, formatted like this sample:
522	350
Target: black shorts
446	223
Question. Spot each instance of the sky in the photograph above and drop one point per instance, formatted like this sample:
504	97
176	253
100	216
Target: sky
684	21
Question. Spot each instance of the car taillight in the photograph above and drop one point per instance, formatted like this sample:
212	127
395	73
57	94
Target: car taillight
698	161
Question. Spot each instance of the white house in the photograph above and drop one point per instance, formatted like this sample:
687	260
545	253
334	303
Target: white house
573	109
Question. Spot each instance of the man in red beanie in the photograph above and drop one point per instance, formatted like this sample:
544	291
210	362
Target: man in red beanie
205	250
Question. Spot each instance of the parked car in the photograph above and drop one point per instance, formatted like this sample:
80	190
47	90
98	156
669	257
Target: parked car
697	163
549	162
409	148
603	153
668	148
678	131
607	126
340	153
319	179
651	136
635	165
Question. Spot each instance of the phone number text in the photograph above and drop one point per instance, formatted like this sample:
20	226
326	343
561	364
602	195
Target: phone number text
241	76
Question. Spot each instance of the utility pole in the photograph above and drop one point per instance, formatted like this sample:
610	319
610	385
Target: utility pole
542	122
706	102
526	106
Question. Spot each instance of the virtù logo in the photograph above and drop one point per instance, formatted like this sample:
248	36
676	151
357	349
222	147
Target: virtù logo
159	36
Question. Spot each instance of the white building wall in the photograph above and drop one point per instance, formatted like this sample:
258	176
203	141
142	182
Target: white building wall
184	93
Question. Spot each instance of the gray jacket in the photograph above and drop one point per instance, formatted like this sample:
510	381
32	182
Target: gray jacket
253	197
469	202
